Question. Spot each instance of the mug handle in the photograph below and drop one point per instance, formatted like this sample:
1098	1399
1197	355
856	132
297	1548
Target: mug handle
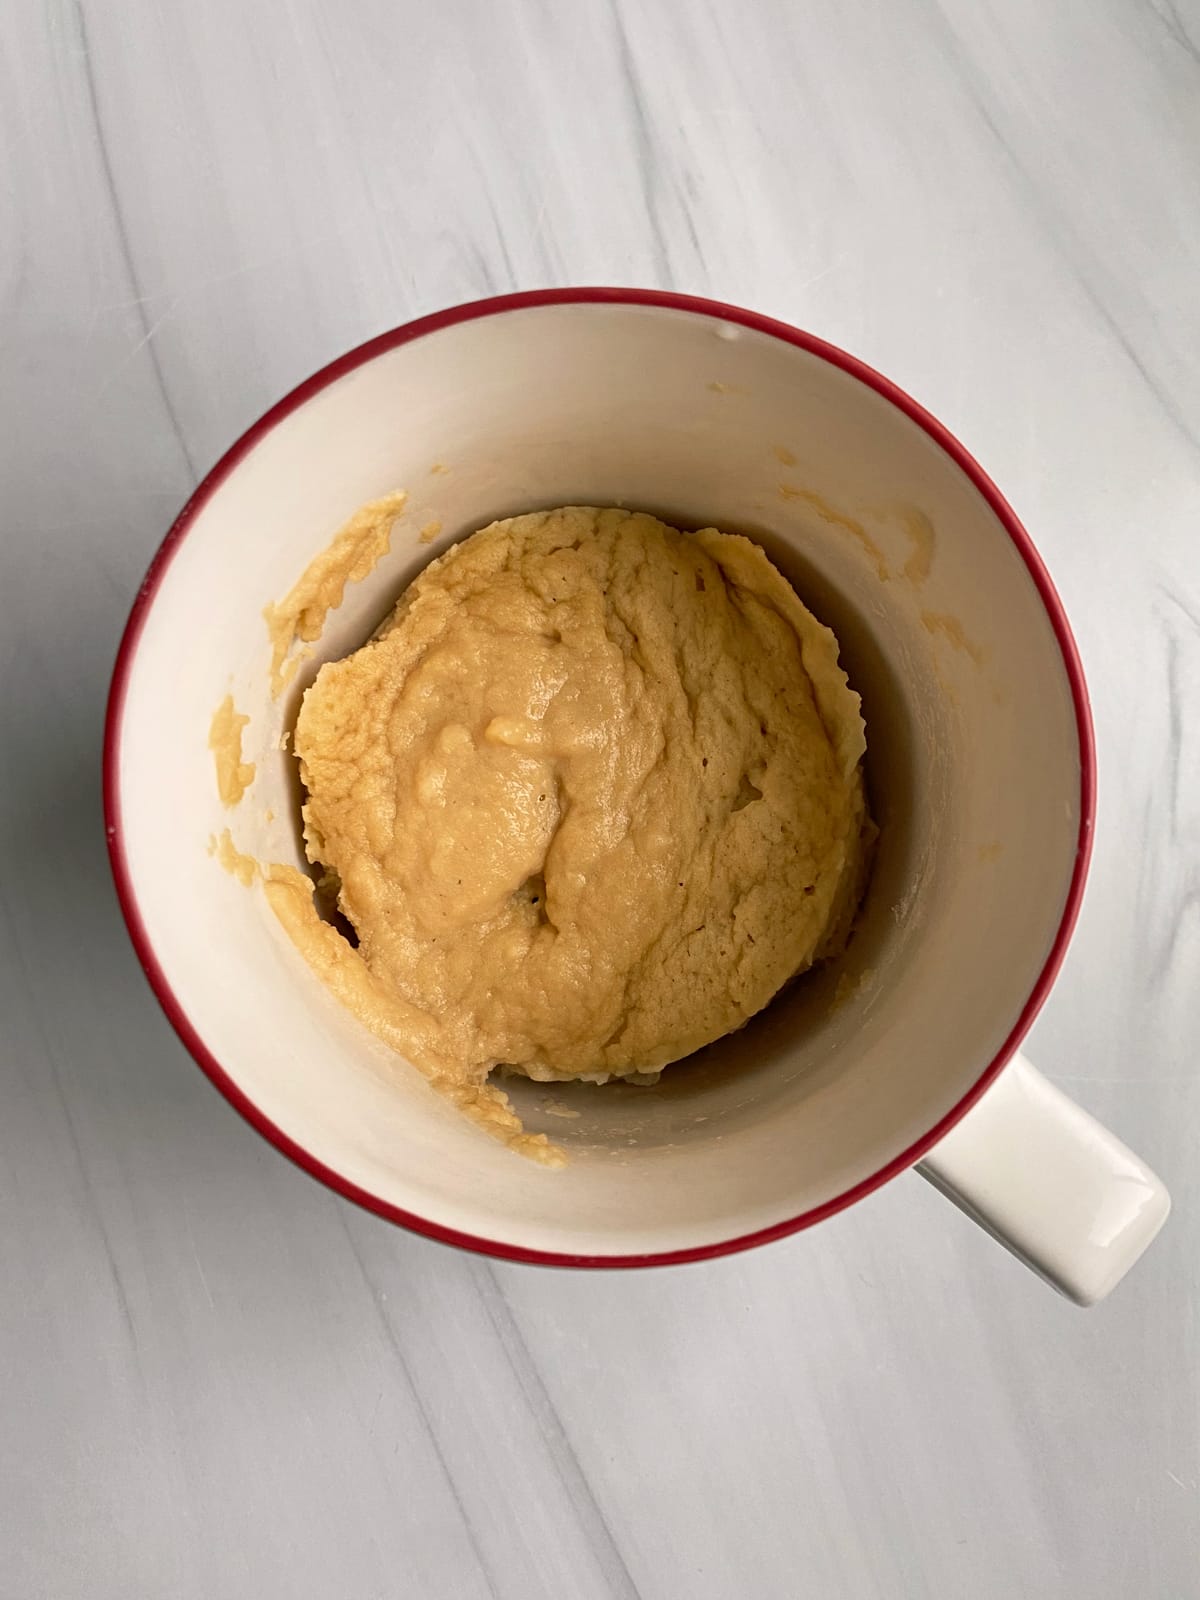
1053	1186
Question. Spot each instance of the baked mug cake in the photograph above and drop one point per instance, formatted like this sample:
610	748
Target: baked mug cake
589	798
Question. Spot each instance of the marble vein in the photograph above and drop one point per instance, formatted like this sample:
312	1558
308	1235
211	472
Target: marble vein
139	298
1071	248
418	1401
618	1579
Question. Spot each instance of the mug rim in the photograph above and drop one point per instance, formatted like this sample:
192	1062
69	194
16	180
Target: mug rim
498	305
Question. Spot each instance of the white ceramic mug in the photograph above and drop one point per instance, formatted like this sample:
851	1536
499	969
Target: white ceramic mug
980	765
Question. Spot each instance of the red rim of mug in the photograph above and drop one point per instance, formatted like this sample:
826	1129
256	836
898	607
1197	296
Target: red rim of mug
420	329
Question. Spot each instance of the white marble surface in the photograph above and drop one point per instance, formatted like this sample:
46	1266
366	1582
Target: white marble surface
215	1378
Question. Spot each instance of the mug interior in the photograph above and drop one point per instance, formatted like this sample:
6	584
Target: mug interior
974	715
